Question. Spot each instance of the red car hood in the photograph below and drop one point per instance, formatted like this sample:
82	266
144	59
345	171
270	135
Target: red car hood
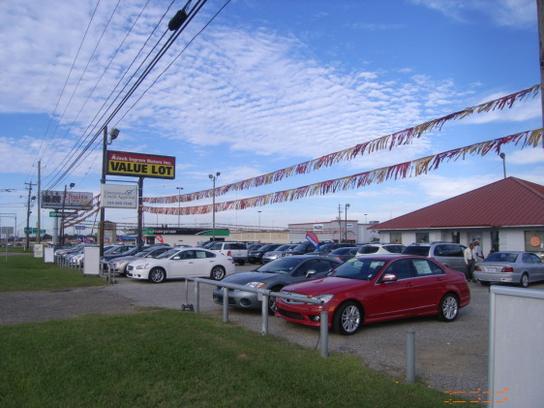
330	285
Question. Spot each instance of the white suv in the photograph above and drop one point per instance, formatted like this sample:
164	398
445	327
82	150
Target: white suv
236	250
373	249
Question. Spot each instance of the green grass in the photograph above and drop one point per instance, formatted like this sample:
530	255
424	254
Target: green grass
22	272
176	359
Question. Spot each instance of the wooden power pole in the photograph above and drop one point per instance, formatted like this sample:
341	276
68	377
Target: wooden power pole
540	16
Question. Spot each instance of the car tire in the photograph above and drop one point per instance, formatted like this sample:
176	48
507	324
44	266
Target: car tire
242	262
449	307
348	318
484	283
157	275
524	281
217	273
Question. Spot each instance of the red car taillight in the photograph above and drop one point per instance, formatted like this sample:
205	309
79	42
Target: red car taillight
507	269
229	253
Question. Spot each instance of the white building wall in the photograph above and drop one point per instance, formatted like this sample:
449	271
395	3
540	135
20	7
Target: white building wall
435	235
385	236
408	237
512	240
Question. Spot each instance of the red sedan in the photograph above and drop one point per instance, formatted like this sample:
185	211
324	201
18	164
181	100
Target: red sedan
374	289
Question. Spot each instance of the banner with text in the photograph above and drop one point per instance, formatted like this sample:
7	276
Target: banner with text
141	165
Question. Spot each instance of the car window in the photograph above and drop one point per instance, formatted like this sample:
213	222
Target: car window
416	250
283	265
402	268
168	253
156	252
217	246
188	254
311	265
396	249
502	257
209	254
535	258
199	254
424	267
368	249
531	258
361	269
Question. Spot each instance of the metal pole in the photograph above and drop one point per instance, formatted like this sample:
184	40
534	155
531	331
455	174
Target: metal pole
197	297
186	291
339	223
27	232
103	181
324	332
140	239
62	216
540	15
264	318
225	305
213	210
39	201
411	357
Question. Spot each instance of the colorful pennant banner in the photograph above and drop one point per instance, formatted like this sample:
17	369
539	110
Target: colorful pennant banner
532	138
390	141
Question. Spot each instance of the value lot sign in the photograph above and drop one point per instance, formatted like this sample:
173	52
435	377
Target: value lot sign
119	196
141	165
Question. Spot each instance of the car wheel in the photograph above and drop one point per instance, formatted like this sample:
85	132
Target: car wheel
484	283
217	273
157	275
242	262
449	308
524	282
348	318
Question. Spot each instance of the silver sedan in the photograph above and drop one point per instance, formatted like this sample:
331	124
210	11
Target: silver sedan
515	267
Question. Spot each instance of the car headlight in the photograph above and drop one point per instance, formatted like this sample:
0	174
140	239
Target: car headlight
256	285
144	266
325	298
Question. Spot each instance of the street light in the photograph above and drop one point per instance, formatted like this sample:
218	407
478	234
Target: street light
259	219
503	157
213	178
114	133
179	203
346	206
365	214
72	185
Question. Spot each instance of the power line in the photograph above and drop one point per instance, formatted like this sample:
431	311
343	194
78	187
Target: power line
140	79
87	133
78	142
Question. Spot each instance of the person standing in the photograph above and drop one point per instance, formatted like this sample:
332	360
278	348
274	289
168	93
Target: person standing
477	252
469	261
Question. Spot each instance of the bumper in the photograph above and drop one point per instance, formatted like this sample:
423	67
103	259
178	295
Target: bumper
238	298
506	277
142	274
305	314
254	259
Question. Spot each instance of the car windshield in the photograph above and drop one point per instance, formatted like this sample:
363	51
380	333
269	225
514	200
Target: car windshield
416	250
144	252
269	247
283	265
359	268
168	253
342	251
501	257
300	247
282	248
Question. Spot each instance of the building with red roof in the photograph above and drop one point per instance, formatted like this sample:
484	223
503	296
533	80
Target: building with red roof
505	215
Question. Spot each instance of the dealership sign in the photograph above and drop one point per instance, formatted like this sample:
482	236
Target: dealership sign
119	196
141	165
72	201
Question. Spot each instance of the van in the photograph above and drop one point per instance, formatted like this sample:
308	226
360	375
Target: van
449	253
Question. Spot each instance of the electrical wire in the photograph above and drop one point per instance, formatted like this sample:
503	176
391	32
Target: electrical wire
87	133
131	91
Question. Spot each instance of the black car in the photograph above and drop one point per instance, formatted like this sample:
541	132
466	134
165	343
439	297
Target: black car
302	248
256	256
327	248
274	276
343	254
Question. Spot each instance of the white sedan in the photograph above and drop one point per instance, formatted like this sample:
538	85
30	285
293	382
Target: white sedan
181	263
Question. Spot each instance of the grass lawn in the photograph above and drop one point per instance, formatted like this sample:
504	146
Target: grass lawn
23	272
177	359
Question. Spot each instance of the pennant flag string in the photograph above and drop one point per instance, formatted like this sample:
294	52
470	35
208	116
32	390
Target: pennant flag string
414	168
389	141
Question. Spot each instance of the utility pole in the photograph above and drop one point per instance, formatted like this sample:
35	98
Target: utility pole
103	181
346	206
540	16
39	201
28	211
339	223
140	239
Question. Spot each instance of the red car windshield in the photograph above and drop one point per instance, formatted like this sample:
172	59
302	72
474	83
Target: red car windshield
361	269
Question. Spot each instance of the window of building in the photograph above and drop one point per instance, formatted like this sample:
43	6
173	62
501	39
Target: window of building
534	241
395	237
422	237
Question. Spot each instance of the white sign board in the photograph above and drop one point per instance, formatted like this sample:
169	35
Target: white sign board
49	255
516	347
119	196
73	200
91	266
38	250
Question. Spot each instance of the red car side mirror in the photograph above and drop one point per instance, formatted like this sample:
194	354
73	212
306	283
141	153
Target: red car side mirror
389	277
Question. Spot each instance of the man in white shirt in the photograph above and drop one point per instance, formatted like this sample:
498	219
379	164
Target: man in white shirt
469	261
477	252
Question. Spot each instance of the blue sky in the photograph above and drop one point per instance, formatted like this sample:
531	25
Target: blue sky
270	84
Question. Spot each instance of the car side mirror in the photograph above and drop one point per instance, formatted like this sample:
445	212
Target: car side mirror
310	273
389	278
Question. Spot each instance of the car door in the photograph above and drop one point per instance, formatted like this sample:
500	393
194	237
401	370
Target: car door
312	266
427	285
391	299
201	264
181	264
532	264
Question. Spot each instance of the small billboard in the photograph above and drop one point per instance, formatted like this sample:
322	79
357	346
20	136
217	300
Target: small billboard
74	200
141	165
119	196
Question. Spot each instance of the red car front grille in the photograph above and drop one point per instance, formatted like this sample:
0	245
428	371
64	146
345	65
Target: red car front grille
292	315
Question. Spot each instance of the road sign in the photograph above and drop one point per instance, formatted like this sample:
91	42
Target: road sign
54	214
33	231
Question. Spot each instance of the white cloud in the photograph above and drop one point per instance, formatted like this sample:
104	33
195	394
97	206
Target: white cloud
525	110
514	13
525	156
